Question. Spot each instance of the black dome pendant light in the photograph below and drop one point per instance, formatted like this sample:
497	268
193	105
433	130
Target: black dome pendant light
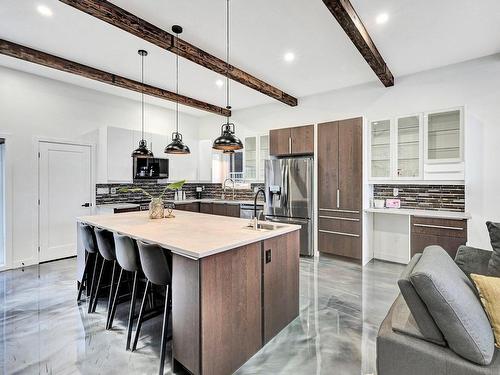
142	151
227	141
177	146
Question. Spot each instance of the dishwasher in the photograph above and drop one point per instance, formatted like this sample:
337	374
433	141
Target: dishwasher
246	211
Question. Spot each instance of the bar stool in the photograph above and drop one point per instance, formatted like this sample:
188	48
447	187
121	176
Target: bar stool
156	266
128	259
106	248
90	244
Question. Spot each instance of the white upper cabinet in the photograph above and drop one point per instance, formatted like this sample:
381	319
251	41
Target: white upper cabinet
120	144
444	145
409	137
381	150
425	146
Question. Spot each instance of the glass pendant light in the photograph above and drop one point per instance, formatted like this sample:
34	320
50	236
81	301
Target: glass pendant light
142	151
177	146
227	141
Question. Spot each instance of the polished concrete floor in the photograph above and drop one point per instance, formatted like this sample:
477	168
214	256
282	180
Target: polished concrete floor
44	331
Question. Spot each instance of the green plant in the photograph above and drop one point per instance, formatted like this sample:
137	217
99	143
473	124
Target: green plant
173	186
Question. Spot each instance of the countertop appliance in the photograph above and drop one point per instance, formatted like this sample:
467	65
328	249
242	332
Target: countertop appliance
152	169
289	196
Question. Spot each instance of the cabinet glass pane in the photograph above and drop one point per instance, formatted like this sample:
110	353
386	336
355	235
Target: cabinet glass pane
443	136
381	148
408	129
263	155
250	158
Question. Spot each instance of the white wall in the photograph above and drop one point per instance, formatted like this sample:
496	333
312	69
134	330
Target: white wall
475	84
32	106
2	207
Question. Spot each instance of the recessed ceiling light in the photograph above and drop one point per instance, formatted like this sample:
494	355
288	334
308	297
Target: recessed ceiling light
289	57
382	18
219	83
44	10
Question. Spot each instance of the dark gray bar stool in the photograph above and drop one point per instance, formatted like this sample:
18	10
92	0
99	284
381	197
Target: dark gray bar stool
106	247
90	244
128	259
156	263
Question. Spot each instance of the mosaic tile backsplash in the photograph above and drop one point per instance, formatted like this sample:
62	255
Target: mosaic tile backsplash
425	197
212	191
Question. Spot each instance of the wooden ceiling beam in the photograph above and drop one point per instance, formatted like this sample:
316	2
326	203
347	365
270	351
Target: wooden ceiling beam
118	17
349	20
31	55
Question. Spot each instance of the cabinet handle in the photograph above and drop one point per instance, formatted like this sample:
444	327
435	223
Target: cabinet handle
335	210
338	218
437	226
339	233
289	145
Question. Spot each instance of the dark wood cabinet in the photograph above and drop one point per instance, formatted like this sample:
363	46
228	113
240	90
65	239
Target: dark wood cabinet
447	233
281	283
219	209
233	210
206	208
226	209
340	187
292	141
192	207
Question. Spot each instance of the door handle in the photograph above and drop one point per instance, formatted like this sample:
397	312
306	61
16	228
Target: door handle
86	204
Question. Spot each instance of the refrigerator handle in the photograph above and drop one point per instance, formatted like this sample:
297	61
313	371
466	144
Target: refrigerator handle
338	198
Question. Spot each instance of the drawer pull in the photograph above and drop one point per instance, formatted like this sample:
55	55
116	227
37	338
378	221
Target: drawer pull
338	218
437	226
336	210
339	233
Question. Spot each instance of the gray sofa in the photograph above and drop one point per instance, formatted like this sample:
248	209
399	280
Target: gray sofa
430	346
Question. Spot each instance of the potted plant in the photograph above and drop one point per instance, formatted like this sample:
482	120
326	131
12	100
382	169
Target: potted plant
156	207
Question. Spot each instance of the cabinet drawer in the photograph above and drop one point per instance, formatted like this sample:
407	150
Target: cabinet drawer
233	210
336	212
339	244
340	224
192	207
439	227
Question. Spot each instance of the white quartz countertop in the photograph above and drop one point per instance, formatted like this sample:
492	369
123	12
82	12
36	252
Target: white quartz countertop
227	201
190	234
422	213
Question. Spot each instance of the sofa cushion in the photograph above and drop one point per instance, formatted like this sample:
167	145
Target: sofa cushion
428	328
451	300
494	263
489	291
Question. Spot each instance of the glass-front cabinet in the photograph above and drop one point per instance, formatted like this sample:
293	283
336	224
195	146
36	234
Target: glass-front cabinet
256	151
380	149
422	146
409	132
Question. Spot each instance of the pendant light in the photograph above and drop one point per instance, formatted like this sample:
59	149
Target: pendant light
177	146
227	140
142	151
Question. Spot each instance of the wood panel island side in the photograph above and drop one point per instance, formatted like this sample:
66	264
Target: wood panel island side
233	288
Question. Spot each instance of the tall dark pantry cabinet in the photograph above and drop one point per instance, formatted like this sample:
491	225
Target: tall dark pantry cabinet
340	187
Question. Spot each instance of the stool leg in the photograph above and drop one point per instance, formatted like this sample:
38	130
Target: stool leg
141	313
94	273
96	293
113	307
84	277
164	332
132	311
111	289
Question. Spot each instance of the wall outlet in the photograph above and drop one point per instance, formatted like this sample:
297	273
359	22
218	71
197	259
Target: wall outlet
395	192
113	190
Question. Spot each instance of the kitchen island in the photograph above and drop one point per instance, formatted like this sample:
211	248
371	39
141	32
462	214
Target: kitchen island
233	287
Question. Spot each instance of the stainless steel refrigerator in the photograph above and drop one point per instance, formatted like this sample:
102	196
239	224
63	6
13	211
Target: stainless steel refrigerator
289	196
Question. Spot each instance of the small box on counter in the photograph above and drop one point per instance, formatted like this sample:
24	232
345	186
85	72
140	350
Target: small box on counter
393	203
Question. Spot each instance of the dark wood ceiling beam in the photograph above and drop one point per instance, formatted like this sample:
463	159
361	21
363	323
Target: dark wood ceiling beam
118	17
349	20
31	55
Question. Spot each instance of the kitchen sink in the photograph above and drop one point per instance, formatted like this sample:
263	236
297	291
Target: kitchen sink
265	226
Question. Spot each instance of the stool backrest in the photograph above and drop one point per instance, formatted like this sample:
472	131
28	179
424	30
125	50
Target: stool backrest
88	238
126	253
155	264
105	243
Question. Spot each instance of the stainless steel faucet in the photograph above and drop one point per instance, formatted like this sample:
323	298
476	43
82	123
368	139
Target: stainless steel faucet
224	187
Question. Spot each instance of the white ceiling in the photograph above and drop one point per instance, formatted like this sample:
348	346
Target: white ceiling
418	36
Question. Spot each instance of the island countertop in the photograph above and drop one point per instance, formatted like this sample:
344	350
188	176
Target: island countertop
190	234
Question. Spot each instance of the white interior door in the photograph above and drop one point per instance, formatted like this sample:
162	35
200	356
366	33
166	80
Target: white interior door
65	192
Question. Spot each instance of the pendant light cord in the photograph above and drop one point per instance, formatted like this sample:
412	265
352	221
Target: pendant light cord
177	87
142	93
227	56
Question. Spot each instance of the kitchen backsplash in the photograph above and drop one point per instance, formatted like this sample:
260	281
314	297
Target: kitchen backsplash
425	197
211	191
